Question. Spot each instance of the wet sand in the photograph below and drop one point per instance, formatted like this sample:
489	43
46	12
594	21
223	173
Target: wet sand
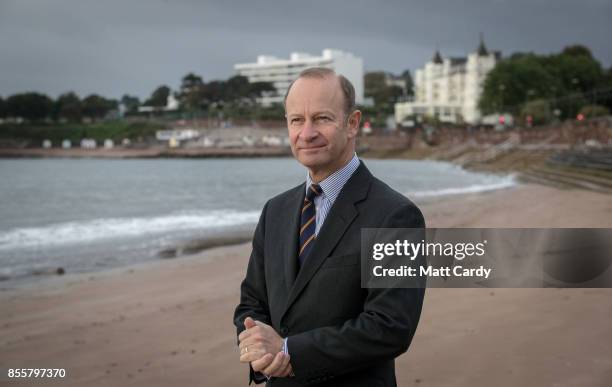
170	322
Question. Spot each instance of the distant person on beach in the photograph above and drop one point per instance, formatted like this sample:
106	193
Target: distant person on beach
303	317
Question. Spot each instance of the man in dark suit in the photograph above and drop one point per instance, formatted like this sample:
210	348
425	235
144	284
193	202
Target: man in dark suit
303	317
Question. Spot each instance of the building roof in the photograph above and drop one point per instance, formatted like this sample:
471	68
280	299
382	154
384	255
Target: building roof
456	61
482	49
437	58
296	59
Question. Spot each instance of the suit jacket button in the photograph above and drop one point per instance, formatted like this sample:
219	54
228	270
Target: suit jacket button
284	331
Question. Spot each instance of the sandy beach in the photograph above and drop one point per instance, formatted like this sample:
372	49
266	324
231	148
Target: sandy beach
170	322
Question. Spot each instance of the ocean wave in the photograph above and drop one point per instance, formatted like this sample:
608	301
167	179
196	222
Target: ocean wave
506	182
110	228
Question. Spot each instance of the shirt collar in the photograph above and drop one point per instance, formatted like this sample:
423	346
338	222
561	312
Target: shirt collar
333	184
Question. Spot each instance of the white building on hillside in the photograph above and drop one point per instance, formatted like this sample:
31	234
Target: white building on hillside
177	134
172	104
449	88
281	72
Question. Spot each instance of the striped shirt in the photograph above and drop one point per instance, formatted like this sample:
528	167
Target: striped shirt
331	186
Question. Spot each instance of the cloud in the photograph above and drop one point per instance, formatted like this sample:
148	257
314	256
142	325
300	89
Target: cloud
116	47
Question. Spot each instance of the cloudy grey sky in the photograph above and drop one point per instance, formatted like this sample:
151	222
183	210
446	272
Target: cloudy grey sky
115	47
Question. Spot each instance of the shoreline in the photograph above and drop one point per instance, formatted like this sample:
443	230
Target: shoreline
184	248
170	321
530	164
435	208
144	153
193	245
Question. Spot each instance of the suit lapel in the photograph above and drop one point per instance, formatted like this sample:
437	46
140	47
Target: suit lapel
339	218
292	212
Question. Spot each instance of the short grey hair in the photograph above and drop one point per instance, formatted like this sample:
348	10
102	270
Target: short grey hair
348	91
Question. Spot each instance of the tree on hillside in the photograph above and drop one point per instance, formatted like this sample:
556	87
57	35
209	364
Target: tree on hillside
130	103
68	107
377	87
514	82
240	97
590	111
374	81
95	106
2	108
30	106
258	89
190	94
576	68
409	83
538	110
195	94
577	50
580	74
606	99
237	87
212	92
159	97
567	80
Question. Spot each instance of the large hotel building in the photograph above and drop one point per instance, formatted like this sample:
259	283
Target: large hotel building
449	88
281	72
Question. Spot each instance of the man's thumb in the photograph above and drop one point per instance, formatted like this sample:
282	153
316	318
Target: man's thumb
249	323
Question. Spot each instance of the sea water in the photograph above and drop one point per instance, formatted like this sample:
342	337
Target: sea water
89	214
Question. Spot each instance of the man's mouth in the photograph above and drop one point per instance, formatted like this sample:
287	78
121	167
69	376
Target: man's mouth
311	147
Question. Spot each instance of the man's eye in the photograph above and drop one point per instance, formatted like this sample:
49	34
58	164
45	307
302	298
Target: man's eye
295	120
323	118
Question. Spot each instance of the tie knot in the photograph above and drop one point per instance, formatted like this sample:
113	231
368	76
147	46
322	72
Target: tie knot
313	190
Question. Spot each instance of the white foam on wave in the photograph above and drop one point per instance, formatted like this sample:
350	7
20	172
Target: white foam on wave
506	182
109	228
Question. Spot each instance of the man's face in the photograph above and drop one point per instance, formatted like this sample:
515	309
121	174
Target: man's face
321	138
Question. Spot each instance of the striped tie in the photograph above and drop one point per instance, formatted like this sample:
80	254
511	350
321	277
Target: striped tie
308	224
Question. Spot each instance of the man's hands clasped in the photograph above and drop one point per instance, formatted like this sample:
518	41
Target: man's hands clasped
261	346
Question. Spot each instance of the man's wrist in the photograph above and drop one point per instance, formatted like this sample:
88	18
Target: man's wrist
286	351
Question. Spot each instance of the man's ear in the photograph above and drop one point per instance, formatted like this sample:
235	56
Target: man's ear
353	122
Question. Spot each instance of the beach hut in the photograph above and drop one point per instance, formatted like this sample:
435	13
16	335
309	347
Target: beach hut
88	143
66	144
207	142
173	142
271	140
109	144
126	142
248	140
46	144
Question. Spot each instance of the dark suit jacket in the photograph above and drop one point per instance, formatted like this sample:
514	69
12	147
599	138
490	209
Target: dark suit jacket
339	334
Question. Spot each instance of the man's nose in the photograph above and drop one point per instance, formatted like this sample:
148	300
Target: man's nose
309	131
